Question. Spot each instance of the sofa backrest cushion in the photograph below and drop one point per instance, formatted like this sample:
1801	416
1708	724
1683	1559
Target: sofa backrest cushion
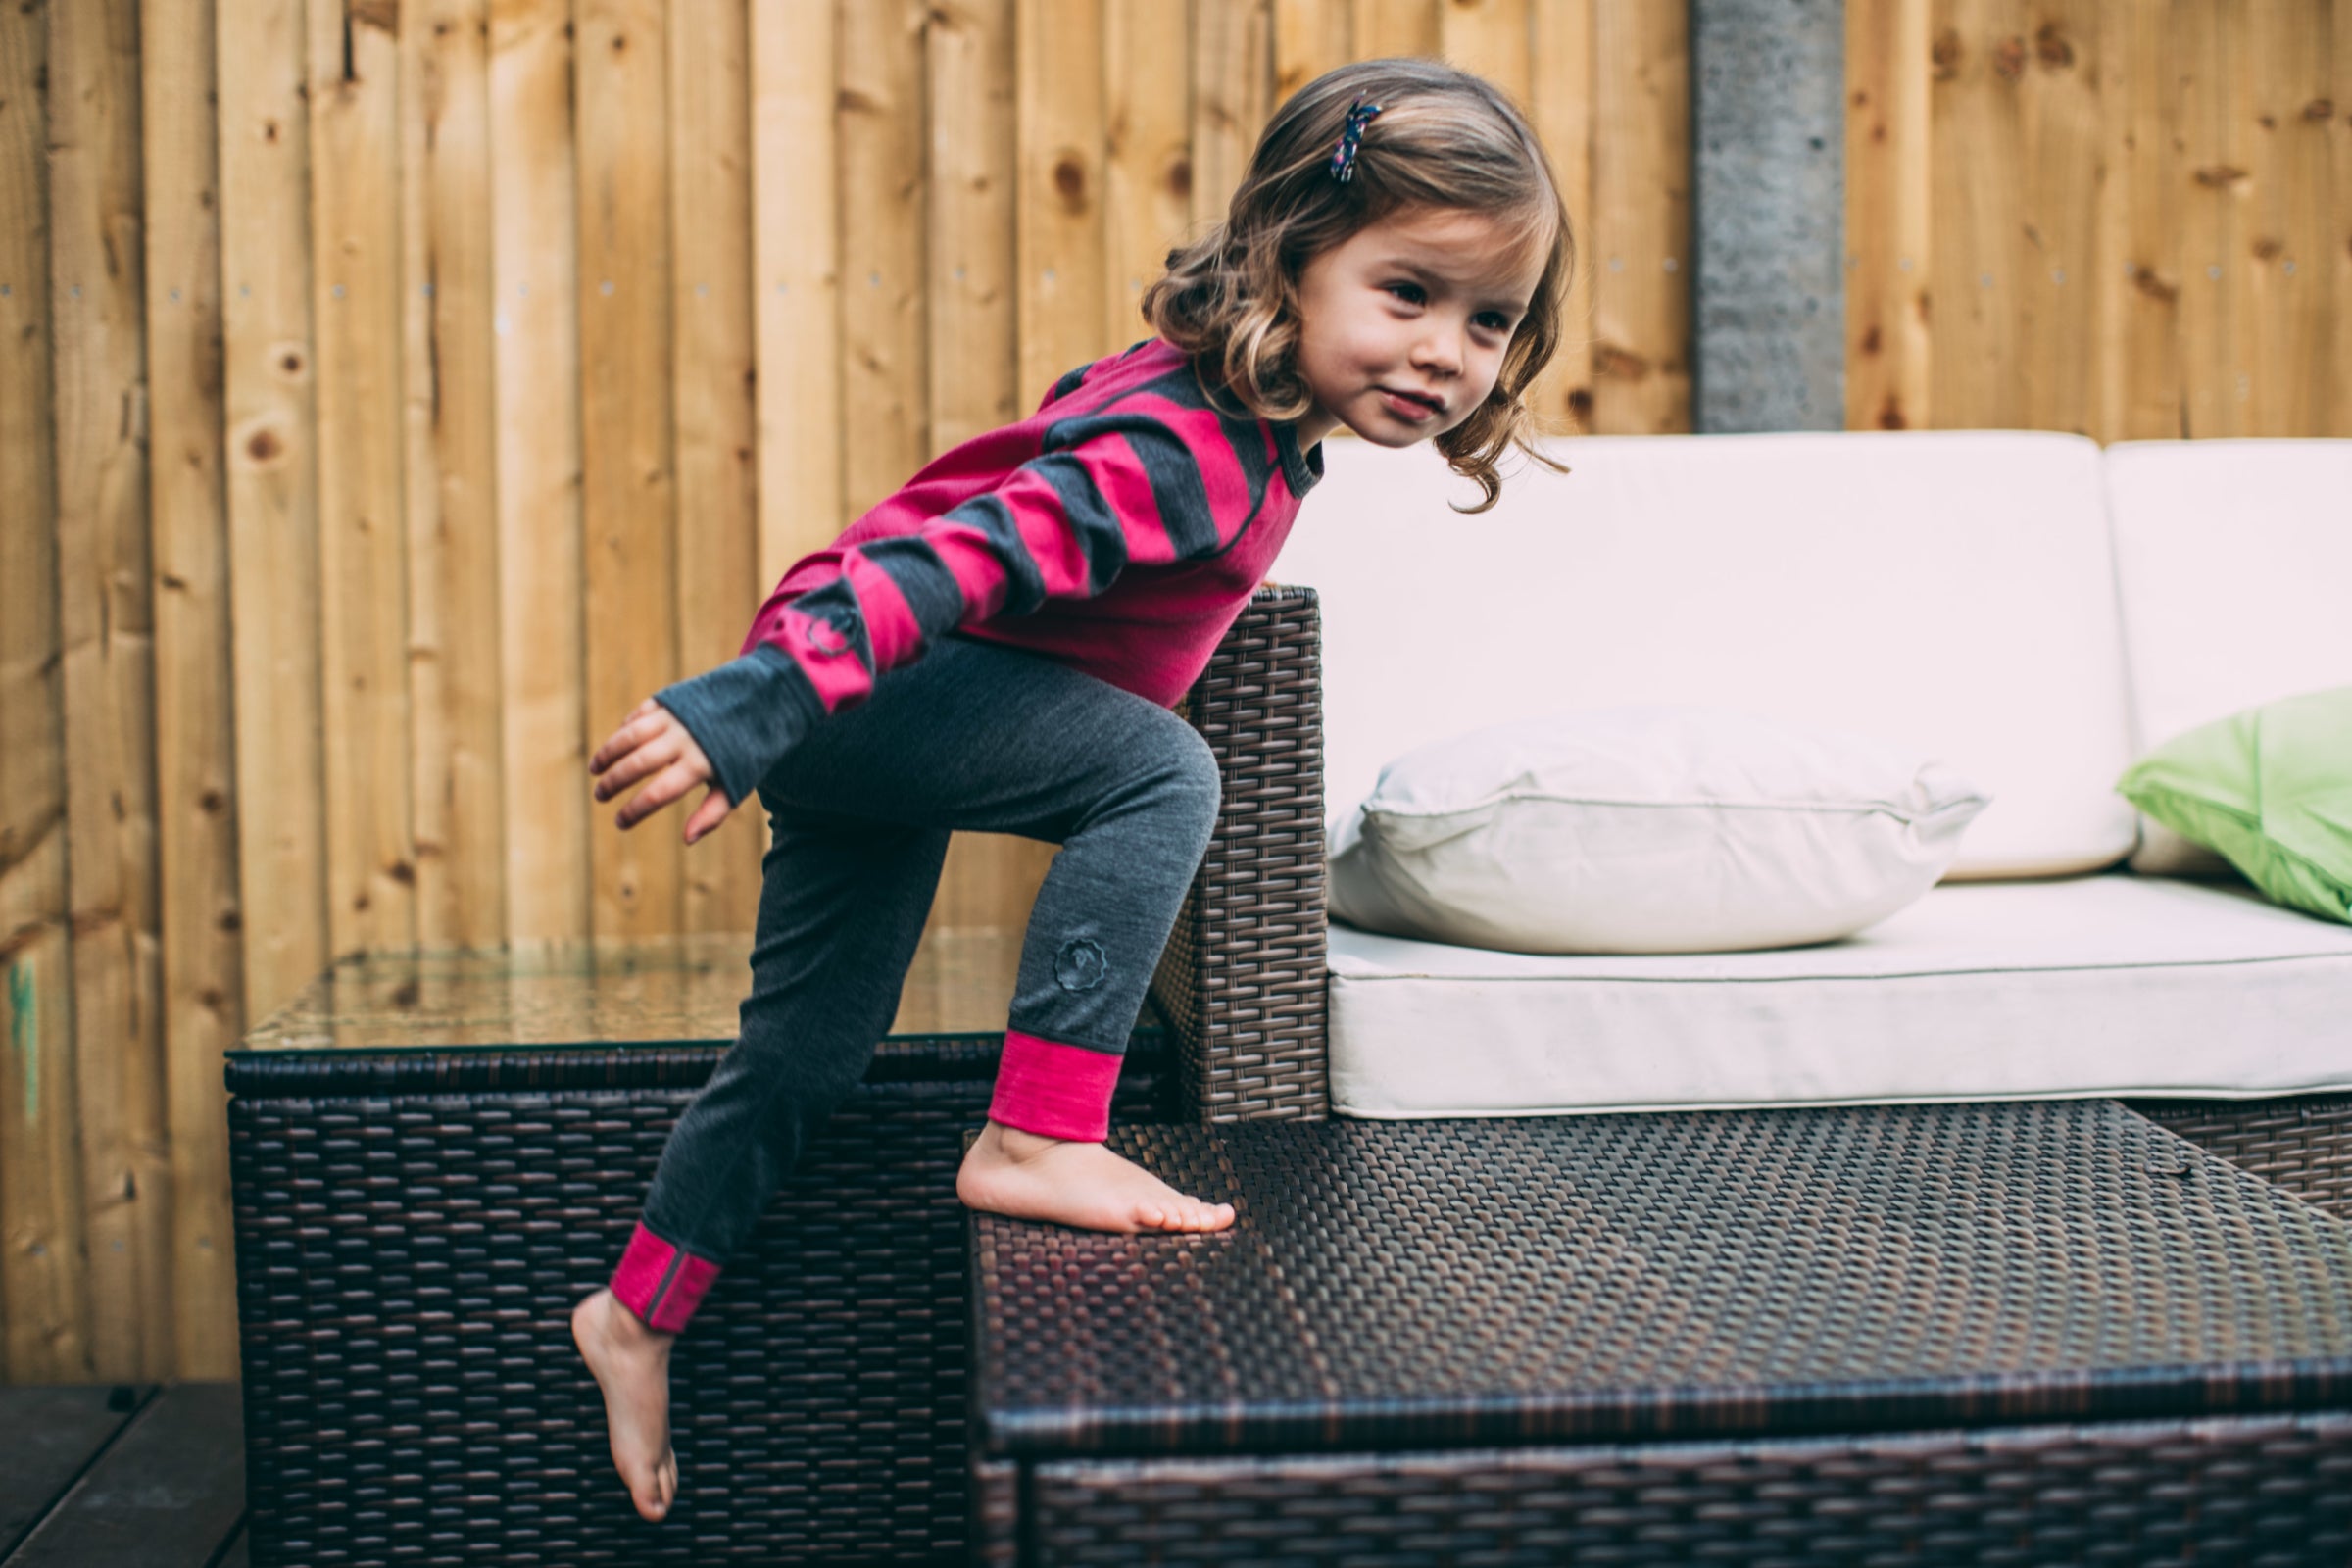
2234	565
1947	592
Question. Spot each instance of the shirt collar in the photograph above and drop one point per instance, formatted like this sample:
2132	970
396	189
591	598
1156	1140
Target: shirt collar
1302	470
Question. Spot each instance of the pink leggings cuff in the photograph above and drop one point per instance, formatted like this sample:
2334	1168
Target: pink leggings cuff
1053	1090
662	1284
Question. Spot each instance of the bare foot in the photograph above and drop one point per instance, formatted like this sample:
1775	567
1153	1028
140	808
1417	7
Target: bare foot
631	1363
1008	1171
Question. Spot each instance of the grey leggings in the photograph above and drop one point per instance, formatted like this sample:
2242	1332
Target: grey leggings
974	736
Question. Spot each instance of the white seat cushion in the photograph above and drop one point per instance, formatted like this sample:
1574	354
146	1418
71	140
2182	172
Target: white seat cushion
1951	593
2235	562
2100	984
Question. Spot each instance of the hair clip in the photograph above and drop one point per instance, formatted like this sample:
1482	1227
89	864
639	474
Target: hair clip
1342	157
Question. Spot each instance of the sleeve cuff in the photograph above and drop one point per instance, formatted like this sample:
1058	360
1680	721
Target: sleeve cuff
745	715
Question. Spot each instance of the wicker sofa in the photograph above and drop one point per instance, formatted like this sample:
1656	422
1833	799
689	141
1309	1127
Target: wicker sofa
2088	619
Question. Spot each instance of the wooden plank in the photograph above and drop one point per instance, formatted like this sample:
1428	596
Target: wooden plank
450	404
167	1494
203	1013
2209	62
1641	220
1384	28
354	81
2057	229
2339	230
2290	70
272	474
628	486
54	1433
1494	39
1310	37
43	1293
1979	54
717	502
535	321
107	642
2140	328
972	318
1560	90
1059	211
1233	79
885	380
2111	224
1147	156
795	304
1887	216
795	258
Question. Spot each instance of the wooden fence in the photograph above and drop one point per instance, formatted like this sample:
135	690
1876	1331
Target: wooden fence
395	392
2131	218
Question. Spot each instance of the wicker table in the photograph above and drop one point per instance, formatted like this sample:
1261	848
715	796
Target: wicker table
435	1155
2045	1333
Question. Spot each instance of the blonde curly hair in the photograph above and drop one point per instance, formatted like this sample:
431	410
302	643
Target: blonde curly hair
1443	140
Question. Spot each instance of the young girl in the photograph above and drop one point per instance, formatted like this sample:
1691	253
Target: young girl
997	648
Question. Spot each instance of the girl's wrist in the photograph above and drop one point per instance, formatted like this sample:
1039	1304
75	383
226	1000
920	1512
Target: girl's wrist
743	716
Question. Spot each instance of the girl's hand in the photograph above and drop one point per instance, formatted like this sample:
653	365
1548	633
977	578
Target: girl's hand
653	743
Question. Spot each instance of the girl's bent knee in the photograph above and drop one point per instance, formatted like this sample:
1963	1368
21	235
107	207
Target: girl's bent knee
1195	782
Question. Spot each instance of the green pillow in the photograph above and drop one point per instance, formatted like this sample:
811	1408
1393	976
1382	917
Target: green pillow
2270	789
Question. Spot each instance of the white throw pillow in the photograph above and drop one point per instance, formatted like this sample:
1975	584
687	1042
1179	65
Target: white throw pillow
1647	830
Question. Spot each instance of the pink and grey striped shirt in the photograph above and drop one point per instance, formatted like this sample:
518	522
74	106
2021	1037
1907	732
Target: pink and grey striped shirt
1119	530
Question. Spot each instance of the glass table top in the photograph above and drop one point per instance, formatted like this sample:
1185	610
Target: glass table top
641	991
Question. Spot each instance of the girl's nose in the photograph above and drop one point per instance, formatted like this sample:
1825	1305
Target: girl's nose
1440	353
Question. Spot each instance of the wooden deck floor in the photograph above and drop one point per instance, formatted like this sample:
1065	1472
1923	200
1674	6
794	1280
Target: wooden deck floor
123	1477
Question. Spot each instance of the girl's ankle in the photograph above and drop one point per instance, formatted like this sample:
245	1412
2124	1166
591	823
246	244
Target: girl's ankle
1019	1145
634	1329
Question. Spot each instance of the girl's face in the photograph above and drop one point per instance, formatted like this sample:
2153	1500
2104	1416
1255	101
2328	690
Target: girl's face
1403	324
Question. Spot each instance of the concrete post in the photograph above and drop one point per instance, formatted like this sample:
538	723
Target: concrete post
1768	205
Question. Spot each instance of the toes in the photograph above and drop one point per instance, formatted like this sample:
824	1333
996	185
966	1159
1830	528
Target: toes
1200	1216
659	1489
1151	1216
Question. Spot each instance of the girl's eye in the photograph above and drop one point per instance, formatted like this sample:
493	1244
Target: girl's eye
1410	293
1494	321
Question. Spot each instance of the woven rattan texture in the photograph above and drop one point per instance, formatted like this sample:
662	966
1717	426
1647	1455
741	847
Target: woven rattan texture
1401	1284
1242	982
407	1266
996	1494
2303	1144
2263	1490
907	1058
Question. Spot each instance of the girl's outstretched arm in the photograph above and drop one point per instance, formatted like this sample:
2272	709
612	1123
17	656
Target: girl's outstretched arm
1112	489
653	745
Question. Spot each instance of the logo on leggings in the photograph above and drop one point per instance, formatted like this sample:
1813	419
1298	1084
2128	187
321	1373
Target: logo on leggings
1080	966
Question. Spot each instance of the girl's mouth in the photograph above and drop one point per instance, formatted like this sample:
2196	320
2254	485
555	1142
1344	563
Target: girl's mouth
1406	406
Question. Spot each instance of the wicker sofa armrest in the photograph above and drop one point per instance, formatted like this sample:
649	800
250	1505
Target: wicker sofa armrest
1242	983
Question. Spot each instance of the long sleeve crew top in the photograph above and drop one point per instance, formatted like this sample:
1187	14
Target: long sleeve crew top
1119	530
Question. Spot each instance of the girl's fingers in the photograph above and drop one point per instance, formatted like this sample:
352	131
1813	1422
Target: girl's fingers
649	719
617	744
664	787
650	757
646	801
708	815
